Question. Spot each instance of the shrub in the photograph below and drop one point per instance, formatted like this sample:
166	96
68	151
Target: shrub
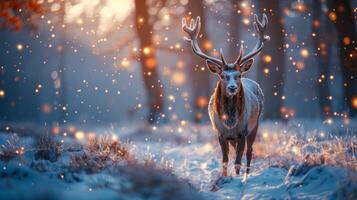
99	154
11	148
48	148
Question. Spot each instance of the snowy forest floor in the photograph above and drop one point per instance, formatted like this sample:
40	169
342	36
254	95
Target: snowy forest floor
295	160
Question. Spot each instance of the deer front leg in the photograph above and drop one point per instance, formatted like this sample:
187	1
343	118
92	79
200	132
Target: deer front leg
250	141
225	148
239	154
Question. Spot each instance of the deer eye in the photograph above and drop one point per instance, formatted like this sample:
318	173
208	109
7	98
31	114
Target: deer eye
223	76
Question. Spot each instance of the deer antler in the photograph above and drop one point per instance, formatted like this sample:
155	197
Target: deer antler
193	31
259	29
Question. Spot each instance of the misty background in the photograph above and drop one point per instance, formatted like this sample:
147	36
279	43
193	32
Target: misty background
106	61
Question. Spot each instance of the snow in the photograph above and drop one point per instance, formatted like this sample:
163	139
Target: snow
192	154
197	159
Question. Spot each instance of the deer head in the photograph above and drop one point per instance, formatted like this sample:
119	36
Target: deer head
229	73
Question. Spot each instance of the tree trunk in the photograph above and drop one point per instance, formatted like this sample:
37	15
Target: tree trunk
148	61
322	49
197	69
272	60
340	12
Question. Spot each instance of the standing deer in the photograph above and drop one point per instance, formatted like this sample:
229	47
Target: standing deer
236	104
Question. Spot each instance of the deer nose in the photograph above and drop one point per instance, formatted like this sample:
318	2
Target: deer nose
232	87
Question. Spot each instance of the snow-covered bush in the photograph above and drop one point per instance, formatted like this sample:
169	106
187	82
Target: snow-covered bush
48	148
11	148
286	148
100	153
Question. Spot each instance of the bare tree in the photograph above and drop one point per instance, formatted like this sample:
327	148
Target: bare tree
201	78
148	61
340	12
272	61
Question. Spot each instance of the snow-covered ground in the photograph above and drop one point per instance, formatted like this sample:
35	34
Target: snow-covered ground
295	160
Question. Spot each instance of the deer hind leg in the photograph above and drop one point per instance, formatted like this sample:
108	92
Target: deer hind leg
250	141
239	154
225	149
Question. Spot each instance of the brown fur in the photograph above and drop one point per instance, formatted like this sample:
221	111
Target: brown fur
229	107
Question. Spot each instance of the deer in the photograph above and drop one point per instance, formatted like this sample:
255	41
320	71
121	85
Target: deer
236	104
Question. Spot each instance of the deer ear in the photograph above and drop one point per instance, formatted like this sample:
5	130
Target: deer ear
246	65
213	67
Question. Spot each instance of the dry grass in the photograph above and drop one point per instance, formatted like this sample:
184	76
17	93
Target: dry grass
48	148
100	153
284	150
11	148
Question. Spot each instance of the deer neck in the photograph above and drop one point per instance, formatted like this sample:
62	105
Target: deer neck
229	109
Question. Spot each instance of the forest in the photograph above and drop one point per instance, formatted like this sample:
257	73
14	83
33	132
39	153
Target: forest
104	99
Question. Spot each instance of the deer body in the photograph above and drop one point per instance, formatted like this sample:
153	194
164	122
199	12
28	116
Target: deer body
237	102
237	116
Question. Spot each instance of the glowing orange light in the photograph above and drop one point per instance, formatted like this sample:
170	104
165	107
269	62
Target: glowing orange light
2	93
246	21
166	17
304	53
151	63
115	138
346	40
301	7
71	129
146	50
224	117
267	58
201	102
300	65
293	38
354	102
178	78
207	45
125	63
266	71
183	123
79	135
316	23
332	16
265	135
46	108
56	130
180	64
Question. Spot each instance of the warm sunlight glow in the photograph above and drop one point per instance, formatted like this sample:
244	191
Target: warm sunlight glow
104	12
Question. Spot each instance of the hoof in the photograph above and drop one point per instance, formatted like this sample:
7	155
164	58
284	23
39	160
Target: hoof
237	168
224	170
248	170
